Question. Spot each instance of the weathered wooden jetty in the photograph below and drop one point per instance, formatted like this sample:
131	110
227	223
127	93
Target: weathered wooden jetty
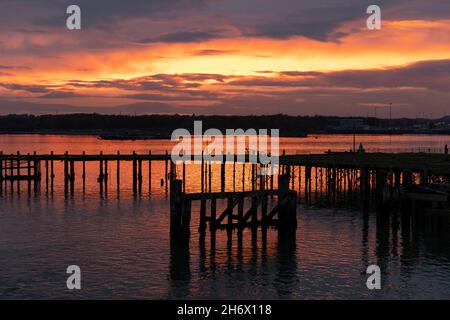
235	217
333	174
321	179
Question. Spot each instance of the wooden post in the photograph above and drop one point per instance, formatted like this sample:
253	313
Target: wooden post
230	221
264	218
254	221
243	176
66	174
135	173
261	177
52	171
381	179
202	173
29	173
222	175
105	177
100	175
37	173
18	171
176	208
253	177
272	175
299	184
424	177
209	175
46	176
140	175
149	173
185	220
234	174
202	224
72	176
184	176
240	222
316	184
307	183
118	173
83	175
212	224
397	178
11	172
166	171
287	219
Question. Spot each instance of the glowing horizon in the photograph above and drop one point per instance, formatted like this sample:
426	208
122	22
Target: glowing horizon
227	65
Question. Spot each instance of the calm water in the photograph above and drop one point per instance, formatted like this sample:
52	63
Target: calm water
122	245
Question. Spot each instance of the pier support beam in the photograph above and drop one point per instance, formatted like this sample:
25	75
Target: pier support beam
180	214
287	214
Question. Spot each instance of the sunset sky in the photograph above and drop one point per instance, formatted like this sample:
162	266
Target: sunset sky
295	57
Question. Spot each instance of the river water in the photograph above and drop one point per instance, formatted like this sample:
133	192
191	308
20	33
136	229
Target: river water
121	242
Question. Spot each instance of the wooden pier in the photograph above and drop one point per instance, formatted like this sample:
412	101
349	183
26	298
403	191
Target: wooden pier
333	175
331	179
282	216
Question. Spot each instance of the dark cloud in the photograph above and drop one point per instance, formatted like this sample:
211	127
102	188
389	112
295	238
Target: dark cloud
3	67
116	23
27	88
213	52
183	37
104	13
412	88
59	95
430	75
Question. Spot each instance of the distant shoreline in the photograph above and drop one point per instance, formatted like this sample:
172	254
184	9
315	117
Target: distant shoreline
122	127
103	135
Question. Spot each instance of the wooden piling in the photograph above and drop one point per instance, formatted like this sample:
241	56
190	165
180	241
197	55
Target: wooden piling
46	176
28	173
287	216
149	174
52	171
175	211
135	174
202	224
100	175
83	175
184	176
230	221
105	177
118	174
18	171
222	176
212	224
240	219
66	174
202	173
140	175
72	176
166	171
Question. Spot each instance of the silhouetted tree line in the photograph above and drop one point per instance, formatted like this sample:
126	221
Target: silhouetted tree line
288	125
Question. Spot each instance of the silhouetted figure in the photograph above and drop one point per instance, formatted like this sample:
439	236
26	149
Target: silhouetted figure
361	149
